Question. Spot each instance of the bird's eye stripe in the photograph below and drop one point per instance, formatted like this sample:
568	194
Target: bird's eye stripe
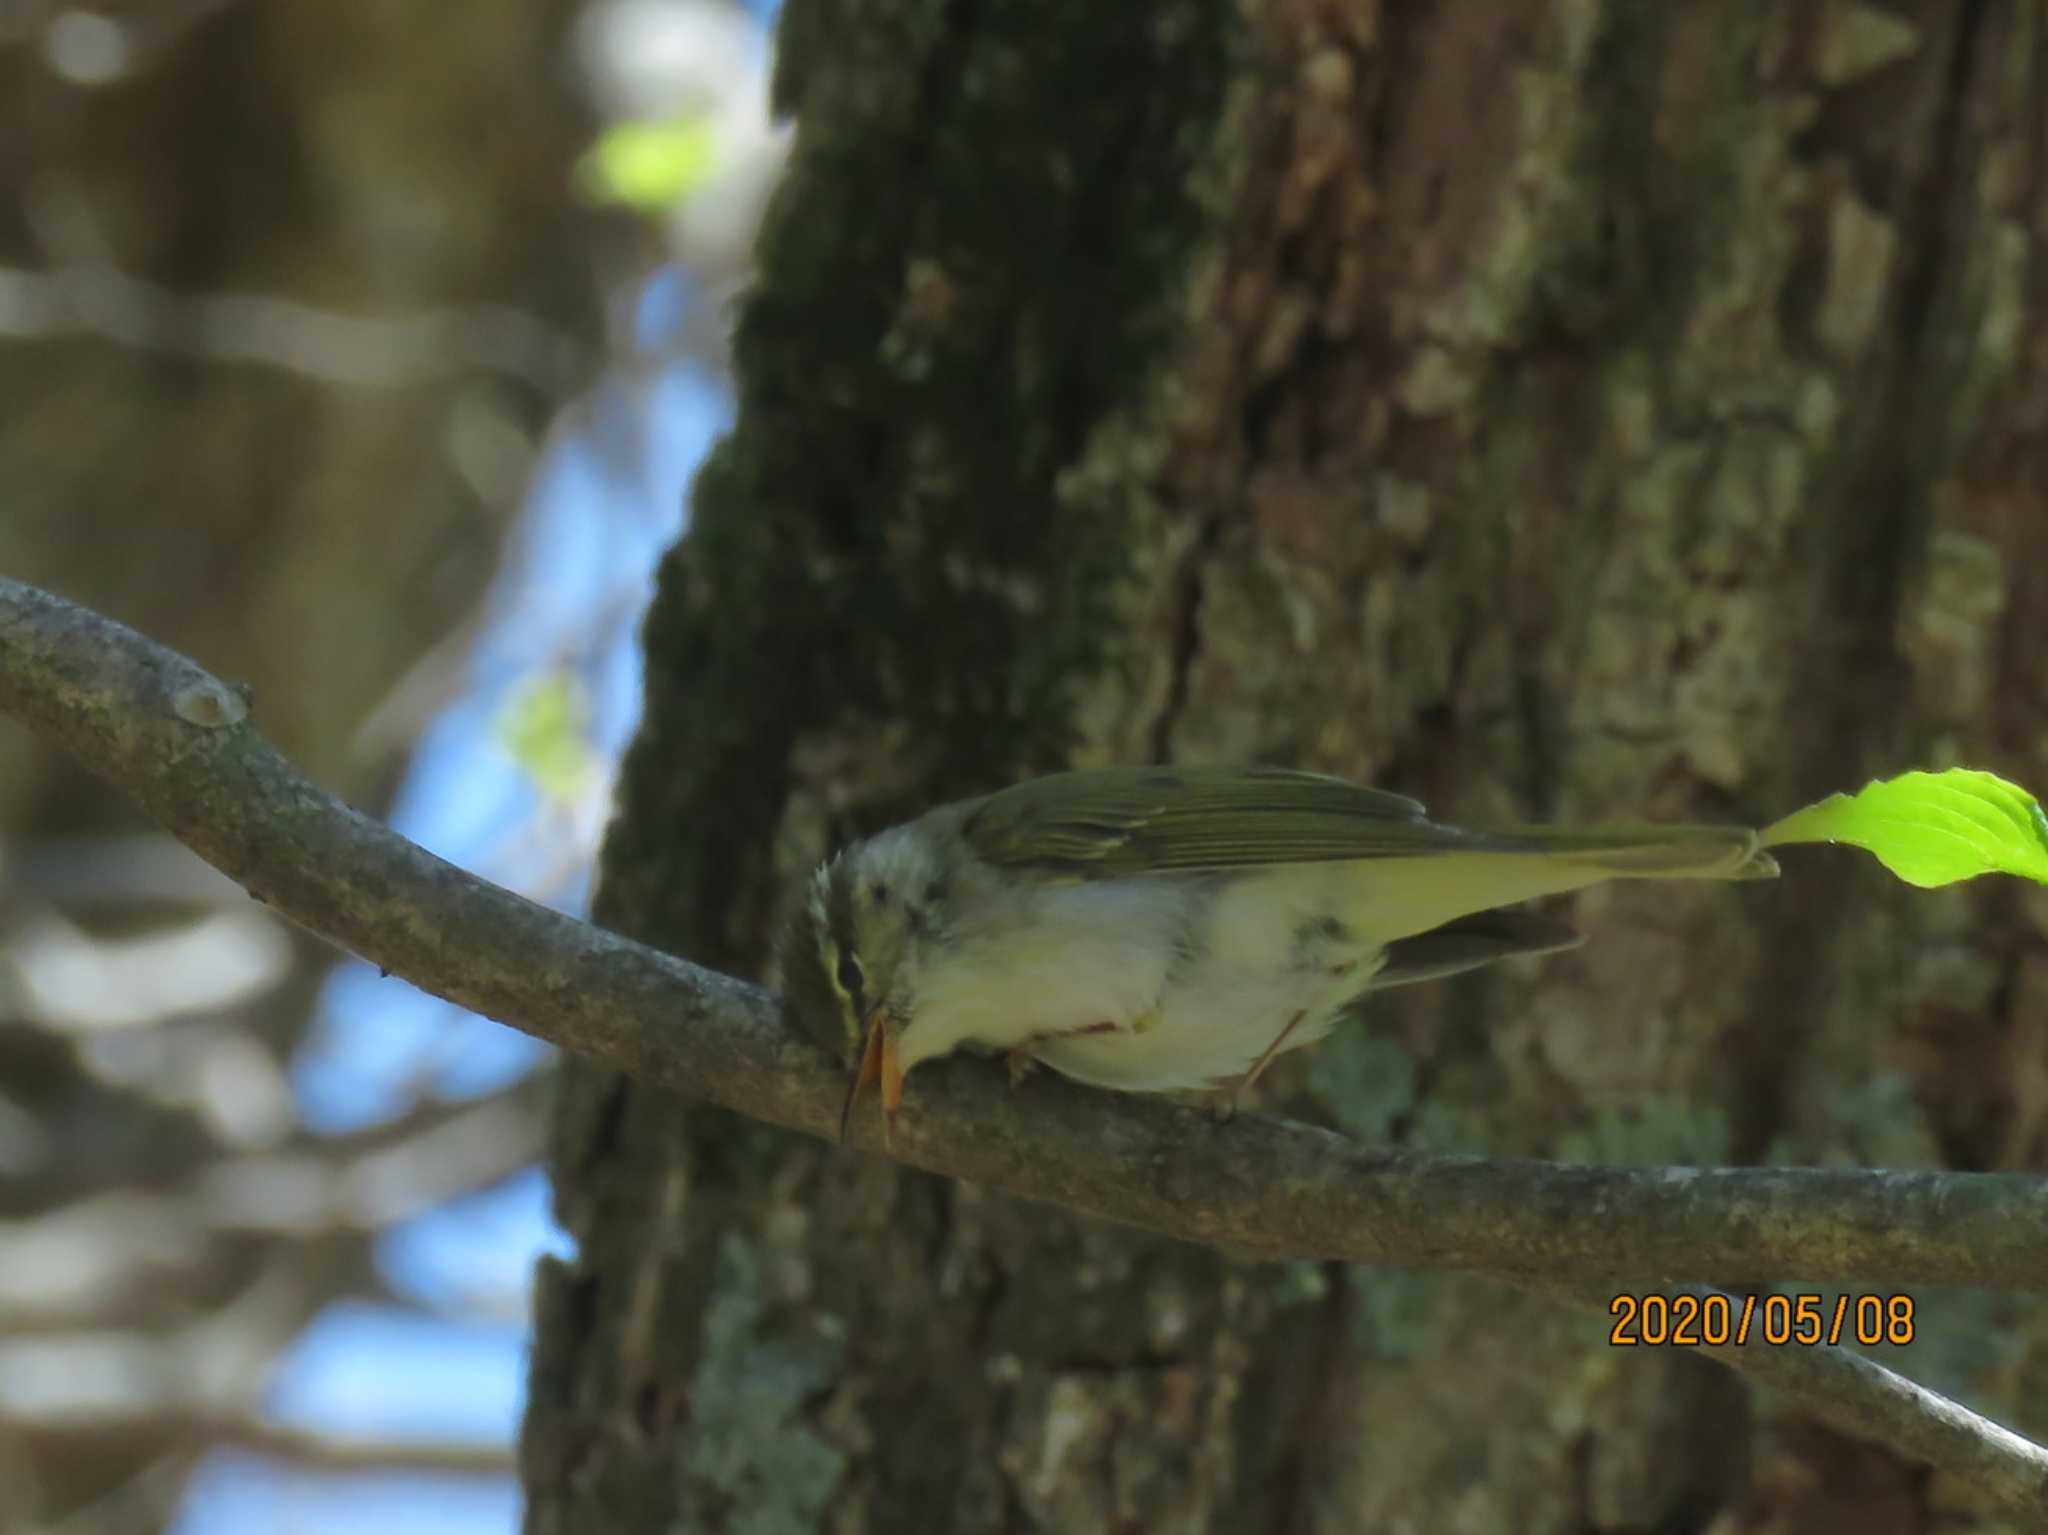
850	976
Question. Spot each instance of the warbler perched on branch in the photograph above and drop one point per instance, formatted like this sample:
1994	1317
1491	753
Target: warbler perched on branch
1154	929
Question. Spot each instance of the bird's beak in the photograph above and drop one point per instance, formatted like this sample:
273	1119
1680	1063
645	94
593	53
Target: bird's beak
878	1063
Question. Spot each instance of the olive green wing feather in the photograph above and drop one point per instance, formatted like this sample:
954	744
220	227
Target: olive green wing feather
1118	823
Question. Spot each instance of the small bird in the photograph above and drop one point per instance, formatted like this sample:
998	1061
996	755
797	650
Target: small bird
1164	928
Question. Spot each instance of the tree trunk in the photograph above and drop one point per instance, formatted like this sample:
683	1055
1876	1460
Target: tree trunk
1561	411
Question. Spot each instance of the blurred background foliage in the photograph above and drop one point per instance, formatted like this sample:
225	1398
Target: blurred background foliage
361	350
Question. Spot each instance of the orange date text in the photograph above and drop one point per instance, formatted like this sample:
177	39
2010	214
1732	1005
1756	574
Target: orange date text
1683	1320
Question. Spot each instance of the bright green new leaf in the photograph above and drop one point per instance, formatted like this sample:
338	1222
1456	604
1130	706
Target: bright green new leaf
1932	828
652	166
541	725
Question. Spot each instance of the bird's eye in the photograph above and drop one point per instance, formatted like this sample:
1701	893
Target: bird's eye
850	977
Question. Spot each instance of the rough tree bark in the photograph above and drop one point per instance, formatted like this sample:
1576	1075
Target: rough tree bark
1566	410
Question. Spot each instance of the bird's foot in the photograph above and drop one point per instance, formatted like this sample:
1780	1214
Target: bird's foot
1224	1105
1022	1062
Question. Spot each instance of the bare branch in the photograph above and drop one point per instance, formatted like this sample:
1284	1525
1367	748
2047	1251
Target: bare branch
363	1183
201	1384
240	327
101	1260
1258	1185
212	1368
1861	1397
318	1451
176	738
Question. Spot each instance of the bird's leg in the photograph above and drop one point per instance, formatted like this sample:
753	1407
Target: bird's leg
1226	1101
1022	1062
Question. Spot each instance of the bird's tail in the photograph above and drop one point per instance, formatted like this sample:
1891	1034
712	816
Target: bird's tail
1466	943
1651	852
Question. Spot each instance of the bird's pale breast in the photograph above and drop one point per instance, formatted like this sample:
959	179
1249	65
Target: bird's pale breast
1266	950
1152	984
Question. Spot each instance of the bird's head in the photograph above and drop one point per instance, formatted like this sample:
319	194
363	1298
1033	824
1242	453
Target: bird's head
849	963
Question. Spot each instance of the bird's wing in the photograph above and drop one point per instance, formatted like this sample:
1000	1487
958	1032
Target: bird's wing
1114	823
1119	823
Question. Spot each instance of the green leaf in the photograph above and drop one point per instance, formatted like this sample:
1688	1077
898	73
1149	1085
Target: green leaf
1932	828
652	166
541	725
